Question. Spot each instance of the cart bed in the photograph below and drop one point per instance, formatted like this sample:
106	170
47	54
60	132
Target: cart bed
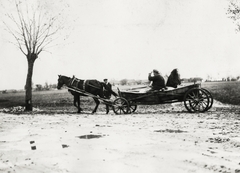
157	97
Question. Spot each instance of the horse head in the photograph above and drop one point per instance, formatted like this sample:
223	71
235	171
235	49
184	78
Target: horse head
62	80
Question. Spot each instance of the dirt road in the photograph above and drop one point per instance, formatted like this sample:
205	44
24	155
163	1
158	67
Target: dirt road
170	141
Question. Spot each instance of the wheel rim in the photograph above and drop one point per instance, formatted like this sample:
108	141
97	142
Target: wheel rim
120	105
210	98
132	108
196	100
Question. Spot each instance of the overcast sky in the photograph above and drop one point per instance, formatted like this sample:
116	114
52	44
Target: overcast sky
119	39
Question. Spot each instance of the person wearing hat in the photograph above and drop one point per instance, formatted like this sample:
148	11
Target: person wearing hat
157	80
108	90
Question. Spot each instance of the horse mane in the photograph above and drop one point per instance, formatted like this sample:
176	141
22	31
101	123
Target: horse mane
60	76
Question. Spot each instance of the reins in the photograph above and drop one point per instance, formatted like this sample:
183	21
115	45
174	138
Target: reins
94	86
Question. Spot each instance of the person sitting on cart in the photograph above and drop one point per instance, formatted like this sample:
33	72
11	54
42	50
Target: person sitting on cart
107	90
174	79
157	81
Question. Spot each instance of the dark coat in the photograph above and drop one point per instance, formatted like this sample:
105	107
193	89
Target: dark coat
107	92
174	79
158	82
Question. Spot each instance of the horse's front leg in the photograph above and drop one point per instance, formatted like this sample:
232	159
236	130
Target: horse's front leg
79	108
97	104
76	103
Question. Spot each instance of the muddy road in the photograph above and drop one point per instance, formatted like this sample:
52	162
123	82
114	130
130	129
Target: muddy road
169	141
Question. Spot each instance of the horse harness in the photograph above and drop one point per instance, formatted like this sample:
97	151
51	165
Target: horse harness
74	82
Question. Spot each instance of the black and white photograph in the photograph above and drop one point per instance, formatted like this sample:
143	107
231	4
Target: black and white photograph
119	86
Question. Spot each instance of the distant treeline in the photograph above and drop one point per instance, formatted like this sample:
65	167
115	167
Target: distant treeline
46	86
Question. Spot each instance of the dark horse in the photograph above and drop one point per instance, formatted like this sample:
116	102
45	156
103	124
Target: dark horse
93	87
174	79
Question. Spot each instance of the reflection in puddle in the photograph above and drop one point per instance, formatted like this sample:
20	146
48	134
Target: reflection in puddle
89	136
170	131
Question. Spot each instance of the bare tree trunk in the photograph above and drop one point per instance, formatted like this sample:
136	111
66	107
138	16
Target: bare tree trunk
28	97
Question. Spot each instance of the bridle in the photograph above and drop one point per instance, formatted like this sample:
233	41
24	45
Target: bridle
61	81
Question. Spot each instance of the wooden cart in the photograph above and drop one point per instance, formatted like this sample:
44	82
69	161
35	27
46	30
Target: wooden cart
195	98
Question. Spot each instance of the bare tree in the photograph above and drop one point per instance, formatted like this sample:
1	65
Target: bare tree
233	12
33	29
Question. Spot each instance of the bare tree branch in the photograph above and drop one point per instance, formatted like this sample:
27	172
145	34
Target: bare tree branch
19	45
233	12
34	28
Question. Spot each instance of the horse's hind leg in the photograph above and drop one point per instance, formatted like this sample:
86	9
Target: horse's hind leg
102	96
107	109
97	104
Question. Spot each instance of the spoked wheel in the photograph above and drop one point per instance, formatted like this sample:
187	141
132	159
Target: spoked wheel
120	105
196	100
210	98
132	108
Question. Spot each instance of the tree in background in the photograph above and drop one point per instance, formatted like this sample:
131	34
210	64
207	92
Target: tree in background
123	82
233	12
46	86
34	27
39	87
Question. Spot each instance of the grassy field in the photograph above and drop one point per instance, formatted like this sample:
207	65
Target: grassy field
225	92
46	100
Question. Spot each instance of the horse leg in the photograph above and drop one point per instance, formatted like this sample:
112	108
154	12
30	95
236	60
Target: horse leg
97	104
74	100
79	108
76	103
107	108
102	96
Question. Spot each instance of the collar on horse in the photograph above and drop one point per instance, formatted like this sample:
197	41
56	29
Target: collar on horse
85	83
71	82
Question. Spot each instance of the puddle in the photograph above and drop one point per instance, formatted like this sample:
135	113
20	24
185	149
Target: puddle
33	147
218	140
89	136
97	125
170	131
65	146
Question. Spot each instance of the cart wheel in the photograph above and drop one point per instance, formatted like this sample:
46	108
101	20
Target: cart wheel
196	100
132	108
120	105
210	98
